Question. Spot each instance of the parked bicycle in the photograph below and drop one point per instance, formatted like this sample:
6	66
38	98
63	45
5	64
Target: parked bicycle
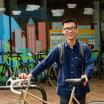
34	59
5	69
53	75
50	74
11	65
100	65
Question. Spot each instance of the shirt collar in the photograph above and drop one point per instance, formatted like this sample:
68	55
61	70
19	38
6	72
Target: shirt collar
76	45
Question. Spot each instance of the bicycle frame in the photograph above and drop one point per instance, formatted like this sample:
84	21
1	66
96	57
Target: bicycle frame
73	97
25	92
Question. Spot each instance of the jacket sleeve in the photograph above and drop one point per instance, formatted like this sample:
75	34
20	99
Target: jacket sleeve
46	63
89	62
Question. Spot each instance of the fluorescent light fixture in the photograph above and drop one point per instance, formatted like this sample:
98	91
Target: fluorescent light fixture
32	7
71	5
88	11
2	9
57	12
14	12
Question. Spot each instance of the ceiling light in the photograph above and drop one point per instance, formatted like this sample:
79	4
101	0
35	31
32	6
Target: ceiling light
57	12
88	11
14	12
71	5
2	9
32	7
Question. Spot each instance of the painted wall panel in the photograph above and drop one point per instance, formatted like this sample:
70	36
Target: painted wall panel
42	34
31	36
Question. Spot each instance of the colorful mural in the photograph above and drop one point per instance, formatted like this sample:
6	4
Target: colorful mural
86	34
31	35
5	30
22	40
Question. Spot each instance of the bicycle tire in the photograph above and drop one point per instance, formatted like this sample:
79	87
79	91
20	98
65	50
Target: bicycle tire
52	76
5	73
96	102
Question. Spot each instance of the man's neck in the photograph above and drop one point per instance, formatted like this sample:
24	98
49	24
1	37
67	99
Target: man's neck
71	43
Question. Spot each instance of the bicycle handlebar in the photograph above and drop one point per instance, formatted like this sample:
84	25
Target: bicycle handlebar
18	82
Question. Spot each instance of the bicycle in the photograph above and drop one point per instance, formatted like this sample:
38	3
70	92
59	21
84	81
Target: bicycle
24	93
5	69
18	65
34	59
73	82
52	75
100	65
11	65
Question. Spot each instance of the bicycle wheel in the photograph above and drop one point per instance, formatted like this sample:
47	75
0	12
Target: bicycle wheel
96	102
52	76
5	73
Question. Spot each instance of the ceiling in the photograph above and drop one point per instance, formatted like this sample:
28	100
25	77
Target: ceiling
62	4
55	4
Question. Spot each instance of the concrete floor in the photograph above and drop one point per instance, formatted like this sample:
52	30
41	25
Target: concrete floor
97	93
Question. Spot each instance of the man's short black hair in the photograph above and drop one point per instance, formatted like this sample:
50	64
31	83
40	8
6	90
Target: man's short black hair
70	20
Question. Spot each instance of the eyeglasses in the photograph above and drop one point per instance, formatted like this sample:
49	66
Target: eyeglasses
71	28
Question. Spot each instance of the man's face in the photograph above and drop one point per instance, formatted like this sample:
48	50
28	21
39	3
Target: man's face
70	30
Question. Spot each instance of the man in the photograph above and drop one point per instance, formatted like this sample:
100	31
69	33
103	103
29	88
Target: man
71	66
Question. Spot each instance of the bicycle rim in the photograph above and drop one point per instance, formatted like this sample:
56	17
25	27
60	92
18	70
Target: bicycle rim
96	102
52	77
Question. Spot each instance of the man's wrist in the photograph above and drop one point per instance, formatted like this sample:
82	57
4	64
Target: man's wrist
30	76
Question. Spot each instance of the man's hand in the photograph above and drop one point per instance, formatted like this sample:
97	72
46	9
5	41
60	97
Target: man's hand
25	76
86	79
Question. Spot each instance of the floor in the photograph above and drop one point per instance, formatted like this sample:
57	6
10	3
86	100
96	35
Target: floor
96	85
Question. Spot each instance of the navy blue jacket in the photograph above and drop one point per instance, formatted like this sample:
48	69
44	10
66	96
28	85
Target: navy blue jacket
70	68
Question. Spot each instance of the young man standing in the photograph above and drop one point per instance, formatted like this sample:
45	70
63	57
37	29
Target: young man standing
72	64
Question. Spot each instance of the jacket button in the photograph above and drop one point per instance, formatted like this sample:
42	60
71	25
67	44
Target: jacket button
71	72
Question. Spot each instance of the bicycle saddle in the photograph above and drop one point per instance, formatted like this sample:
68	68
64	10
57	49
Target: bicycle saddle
74	82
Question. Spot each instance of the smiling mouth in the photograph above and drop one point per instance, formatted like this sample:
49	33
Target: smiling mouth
70	34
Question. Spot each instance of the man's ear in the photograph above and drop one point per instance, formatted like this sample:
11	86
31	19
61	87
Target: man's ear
77	30
63	31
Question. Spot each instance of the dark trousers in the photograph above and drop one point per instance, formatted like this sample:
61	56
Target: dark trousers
64	100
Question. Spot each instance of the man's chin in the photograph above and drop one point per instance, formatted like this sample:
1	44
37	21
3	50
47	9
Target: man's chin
70	38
